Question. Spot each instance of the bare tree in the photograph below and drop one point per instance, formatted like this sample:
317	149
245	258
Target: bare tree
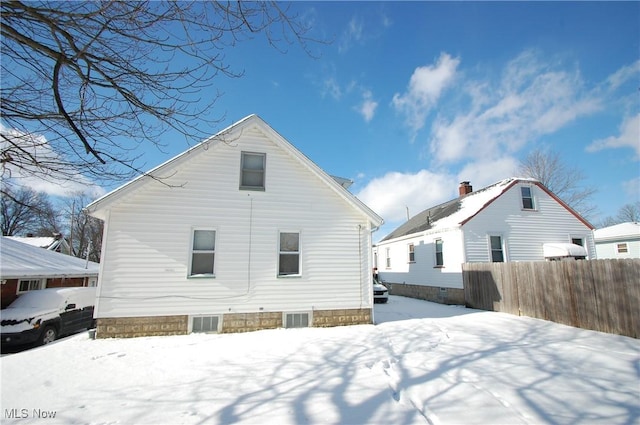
627	213
564	181
85	232
26	211
85	85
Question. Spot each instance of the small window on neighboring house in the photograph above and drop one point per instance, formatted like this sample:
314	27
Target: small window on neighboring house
439	253
527	198
412	254
289	254
497	255
252	171
388	259
203	253
29	285
622	248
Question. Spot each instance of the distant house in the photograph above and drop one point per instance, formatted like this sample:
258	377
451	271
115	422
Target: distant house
515	219
618	241
25	267
240	232
55	243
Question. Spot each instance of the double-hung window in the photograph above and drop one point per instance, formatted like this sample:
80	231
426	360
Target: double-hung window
527	198
252	174
387	262
497	254
203	253
439	253
412	253
289	254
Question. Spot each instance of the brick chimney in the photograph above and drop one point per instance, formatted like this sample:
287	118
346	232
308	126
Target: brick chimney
465	188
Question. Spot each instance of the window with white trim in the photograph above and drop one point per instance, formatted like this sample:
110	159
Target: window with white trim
252	173
527	198
289	254
388	258
497	252
622	248
203	253
577	241
439	253
412	253
30	285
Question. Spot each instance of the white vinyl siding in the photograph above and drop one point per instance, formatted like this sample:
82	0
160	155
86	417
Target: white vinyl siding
145	267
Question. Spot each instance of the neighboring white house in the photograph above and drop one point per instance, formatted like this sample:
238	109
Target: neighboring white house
515	219
25	267
240	232
618	241
55	243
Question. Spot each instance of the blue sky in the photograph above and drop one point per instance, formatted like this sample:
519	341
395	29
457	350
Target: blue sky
410	98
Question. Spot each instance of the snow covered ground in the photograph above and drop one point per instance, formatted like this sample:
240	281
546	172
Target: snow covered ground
422	363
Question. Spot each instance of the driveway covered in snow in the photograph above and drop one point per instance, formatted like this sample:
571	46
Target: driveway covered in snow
422	363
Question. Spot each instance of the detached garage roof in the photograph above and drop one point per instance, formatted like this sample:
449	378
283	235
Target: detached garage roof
19	260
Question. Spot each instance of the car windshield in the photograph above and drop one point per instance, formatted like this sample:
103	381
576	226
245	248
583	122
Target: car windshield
38	299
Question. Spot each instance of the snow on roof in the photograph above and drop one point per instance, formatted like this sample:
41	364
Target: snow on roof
629	230
21	260
39	241
455	212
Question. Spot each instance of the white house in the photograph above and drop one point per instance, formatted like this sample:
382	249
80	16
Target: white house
515	219
240	232
618	241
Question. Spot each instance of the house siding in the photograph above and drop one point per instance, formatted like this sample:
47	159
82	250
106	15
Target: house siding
147	241
523	233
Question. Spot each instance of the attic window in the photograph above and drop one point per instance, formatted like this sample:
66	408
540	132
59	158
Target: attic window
527	198
252	171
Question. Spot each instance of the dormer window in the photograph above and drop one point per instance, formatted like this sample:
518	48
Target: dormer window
252	173
527	198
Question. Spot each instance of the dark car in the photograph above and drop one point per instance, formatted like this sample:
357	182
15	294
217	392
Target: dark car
43	315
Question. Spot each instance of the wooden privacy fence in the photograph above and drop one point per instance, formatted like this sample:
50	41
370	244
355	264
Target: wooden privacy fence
602	295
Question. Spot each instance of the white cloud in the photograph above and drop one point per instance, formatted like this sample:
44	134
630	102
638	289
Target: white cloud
530	100
368	106
629	138
623	75
484	173
632	189
425	87
331	87
57	180
391	194
352	34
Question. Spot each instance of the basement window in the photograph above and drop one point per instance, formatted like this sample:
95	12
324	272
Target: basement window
205	324
296	320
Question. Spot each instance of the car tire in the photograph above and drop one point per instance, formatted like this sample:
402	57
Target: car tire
48	335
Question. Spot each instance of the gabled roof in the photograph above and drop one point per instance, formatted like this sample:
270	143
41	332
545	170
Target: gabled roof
47	242
20	260
458	211
338	185
622	231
